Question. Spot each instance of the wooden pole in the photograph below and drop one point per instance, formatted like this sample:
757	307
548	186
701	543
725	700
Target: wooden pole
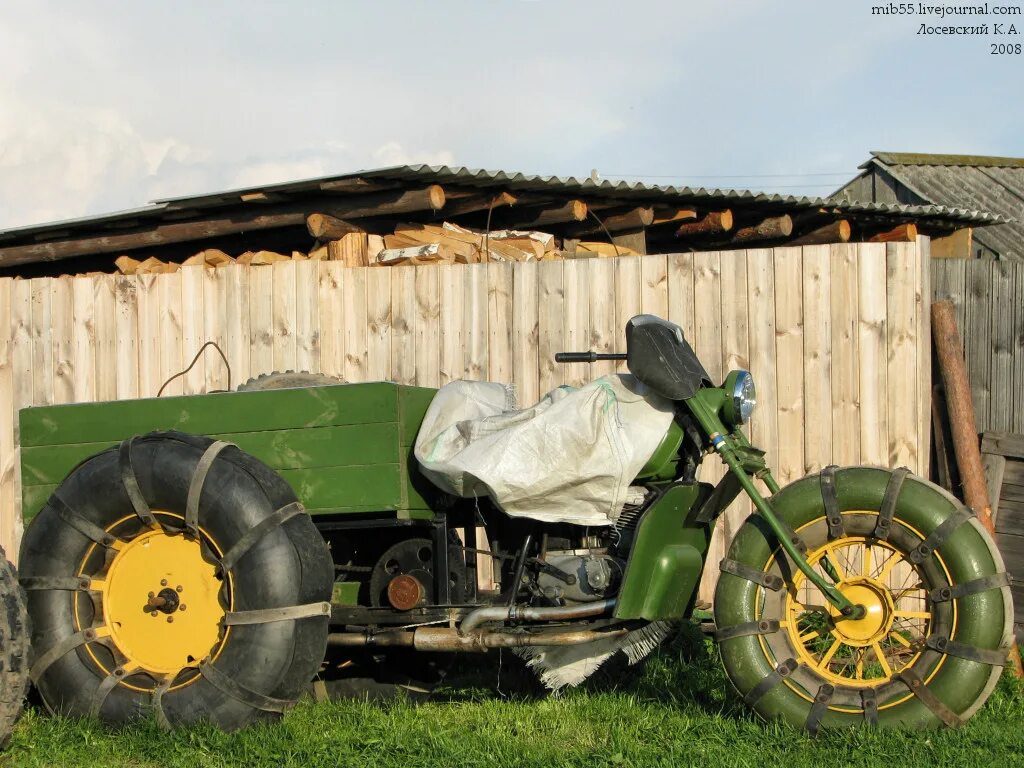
948	348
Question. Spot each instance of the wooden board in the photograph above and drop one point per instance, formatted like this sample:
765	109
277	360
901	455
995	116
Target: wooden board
791	364
872	343
901	356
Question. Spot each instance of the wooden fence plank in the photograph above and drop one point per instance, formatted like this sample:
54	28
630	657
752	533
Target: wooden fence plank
499	323
21	352
845	355
735	331
285	310
62	338
330	292
356	324
261	321
452	282
551	324
901	349
978	336
105	338
83	313
577	291
654	285
922	304
606	336
403	321
680	293
378	328
872	336
193	330
214	328
237	332
627	300
764	428
126	309
526	334
428	326
169	324
1018	352
307	317
1001	394
475	323
42	348
817	358
790	363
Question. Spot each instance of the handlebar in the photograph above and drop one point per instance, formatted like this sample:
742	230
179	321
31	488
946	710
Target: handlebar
587	357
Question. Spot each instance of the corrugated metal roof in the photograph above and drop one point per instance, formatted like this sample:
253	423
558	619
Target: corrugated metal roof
483	179
992	184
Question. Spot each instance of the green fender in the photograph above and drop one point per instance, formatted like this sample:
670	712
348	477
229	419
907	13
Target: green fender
667	557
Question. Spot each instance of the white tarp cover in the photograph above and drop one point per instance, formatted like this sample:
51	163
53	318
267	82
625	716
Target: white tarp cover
570	458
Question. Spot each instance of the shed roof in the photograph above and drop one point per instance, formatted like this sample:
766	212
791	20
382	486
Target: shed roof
993	184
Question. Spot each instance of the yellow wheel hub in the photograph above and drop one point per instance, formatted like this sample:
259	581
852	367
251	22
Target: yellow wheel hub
875	623
160	600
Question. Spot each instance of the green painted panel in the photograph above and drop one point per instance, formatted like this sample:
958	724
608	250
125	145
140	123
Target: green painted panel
283	449
33	497
667	558
412	404
225	412
377	486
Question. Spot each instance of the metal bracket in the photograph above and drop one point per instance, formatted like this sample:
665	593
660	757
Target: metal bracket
746	629
769	681
819	708
229	687
996	658
257	532
195	488
833	517
66	583
766	580
103	690
916	685
973	587
938	537
58	651
869	701
86	528
724	493
266	615
158	698
888	506
131	484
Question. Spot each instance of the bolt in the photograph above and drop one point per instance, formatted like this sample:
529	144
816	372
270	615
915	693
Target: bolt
152	594
163	582
179	588
153	613
170	619
182	607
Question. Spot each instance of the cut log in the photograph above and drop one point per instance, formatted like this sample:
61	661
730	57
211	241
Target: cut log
215	257
323	226
320	253
834	232
352	249
299	256
604	250
904	233
531	218
126	265
545	239
772	228
374	245
424	254
245	259
713	223
633	219
262	258
415	235
477	204
666	215
153	266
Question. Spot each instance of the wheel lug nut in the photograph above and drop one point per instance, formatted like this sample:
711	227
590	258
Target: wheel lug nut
163	582
178	588
152	594
182	607
170	619
153	613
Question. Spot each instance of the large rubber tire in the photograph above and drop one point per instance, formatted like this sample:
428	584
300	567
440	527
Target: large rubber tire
287	380
981	620
289	565
14	652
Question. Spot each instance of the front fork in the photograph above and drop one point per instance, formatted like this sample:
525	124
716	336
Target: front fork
724	446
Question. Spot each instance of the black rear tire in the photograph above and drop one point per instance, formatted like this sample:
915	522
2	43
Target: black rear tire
263	667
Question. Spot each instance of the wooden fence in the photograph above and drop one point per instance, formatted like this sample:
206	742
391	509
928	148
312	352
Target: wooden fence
989	299
836	337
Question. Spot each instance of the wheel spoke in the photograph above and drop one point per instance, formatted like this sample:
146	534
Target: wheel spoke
866	570
900	639
830	653
889	564
886	669
808	636
858	671
833	557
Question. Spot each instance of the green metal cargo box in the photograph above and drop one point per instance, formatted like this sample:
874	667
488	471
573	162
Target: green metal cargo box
344	448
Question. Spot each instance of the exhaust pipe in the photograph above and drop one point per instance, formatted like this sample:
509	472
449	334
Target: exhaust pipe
526	613
444	639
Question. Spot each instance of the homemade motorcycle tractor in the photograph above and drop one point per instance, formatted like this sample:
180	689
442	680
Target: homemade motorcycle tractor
207	557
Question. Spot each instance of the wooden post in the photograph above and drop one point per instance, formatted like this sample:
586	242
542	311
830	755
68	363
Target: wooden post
962	424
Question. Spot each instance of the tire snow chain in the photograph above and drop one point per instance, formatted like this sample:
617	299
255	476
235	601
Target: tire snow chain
229	687
86	528
58	651
942	644
973	587
766	580
917	686
834	518
131	484
66	583
819	708
257	532
266	615
888	506
769	681
938	537
103	690
869	701
195	488
158	698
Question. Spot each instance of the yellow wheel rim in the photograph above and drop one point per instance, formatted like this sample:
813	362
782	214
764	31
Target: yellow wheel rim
158	603
160	600
872	649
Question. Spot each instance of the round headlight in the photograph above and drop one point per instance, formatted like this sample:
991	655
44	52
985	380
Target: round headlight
741	397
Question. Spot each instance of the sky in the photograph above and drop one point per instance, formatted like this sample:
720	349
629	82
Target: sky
106	106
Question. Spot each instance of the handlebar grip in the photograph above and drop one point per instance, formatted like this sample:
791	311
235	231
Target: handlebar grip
575	357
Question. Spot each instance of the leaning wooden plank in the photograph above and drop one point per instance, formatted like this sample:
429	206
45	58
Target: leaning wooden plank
922	299
994	467
844	325
1017	422
1002	395
817	357
978	337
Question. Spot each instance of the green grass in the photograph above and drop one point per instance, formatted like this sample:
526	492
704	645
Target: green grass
677	712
